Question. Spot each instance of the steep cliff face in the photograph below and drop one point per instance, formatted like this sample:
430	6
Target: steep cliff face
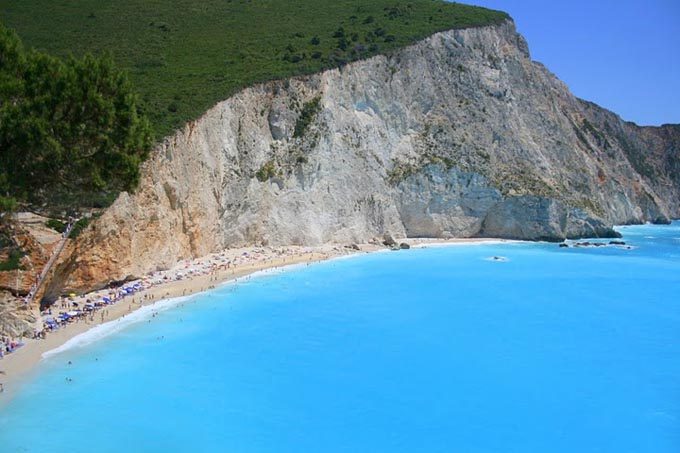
459	135
653	152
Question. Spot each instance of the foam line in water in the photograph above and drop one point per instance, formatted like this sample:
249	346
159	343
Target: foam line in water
111	327
291	267
142	314
259	274
466	243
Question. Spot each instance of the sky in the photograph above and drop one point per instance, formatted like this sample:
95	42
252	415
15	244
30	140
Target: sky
623	55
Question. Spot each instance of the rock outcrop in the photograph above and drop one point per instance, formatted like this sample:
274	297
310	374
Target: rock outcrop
16	318
36	243
458	135
539	218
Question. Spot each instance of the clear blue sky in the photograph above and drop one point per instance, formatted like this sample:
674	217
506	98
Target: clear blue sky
623	55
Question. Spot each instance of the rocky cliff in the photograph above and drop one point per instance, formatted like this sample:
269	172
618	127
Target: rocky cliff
459	135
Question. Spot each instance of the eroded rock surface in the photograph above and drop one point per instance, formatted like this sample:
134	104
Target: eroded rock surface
461	134
538	218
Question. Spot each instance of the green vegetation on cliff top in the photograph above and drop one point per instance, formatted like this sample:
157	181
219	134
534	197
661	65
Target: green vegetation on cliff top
183	56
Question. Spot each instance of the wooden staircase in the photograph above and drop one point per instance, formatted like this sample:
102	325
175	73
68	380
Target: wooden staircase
30	297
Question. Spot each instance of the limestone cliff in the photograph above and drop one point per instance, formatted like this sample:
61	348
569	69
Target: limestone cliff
458	135
37	243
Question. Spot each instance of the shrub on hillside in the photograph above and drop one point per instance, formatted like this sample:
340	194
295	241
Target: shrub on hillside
56	225
309	111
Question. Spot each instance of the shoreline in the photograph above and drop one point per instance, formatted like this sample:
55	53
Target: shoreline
18	365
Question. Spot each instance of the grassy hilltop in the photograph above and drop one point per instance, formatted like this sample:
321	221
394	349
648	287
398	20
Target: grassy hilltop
183	56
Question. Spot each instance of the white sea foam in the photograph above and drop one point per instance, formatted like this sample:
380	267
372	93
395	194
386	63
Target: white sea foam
291	267
142	314
466	243
109	328
358	254
259	274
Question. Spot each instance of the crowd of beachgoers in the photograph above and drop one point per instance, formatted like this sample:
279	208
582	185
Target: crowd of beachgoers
92	307
186	277
9	345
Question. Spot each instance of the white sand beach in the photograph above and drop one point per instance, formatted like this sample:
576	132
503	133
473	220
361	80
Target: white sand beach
186	278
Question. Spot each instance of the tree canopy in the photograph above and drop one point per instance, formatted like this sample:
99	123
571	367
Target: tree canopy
72	132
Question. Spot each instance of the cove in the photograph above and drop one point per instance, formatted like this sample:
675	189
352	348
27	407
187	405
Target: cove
432	349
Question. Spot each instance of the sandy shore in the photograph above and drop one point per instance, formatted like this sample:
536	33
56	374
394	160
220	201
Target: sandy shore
15	367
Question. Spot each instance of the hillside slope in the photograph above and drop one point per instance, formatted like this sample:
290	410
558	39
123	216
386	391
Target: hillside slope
185	56
458	135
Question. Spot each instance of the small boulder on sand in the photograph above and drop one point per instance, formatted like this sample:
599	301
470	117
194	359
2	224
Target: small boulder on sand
388	240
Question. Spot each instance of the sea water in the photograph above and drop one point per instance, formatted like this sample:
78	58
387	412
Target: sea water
424	350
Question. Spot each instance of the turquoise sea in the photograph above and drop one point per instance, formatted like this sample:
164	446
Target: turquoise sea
440	349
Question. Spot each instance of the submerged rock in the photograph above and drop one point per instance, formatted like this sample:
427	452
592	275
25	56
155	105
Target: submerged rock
500	259
590	244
